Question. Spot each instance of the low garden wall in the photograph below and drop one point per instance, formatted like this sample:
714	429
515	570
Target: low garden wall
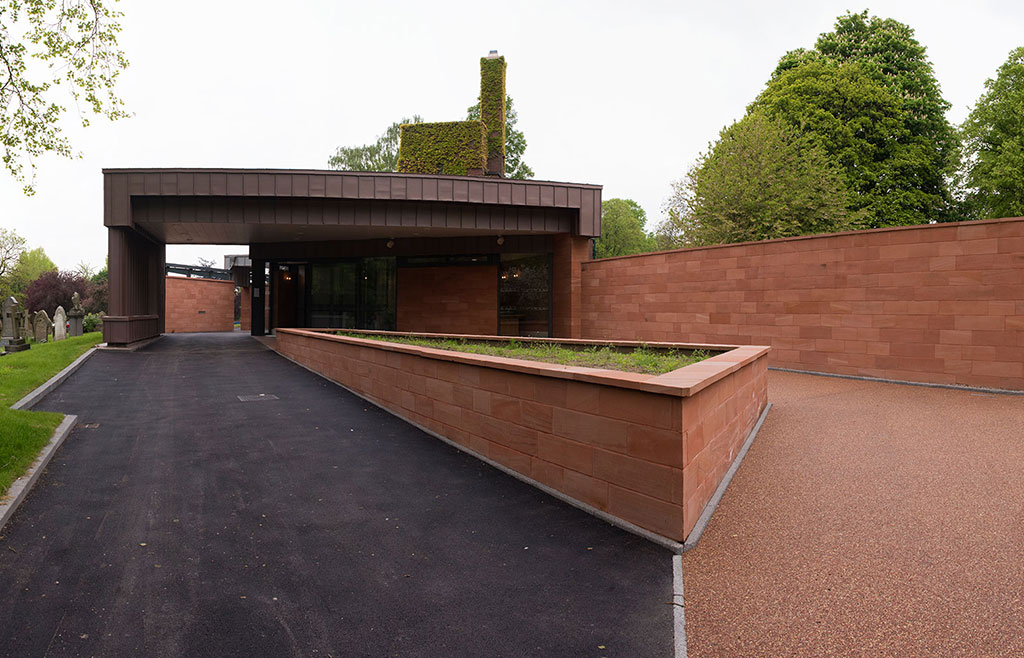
647	449
938	303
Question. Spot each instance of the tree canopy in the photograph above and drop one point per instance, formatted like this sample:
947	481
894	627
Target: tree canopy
28	266
12	246
868	96
515	141
762	179
382	155
993	145
75	44
623	231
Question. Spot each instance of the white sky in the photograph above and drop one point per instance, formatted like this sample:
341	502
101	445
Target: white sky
621	94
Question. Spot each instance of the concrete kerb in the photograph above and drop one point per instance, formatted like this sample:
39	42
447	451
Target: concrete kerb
21	487
52	383
904	382
678	608
134	347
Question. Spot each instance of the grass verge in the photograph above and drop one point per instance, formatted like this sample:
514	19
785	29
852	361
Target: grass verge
641	359
24	433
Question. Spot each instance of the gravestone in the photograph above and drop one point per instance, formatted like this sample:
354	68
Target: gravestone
10	337
41	327
26	324
75	316
60	324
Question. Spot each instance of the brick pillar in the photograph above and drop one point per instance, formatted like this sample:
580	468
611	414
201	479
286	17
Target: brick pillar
245	312
569	253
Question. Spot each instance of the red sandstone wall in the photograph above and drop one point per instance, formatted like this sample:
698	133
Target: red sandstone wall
199	305
648	458
455	300
569	254
941	303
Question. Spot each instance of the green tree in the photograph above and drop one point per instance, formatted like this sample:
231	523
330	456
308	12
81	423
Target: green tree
382	155
763	179
890	173
993	145
44	46
622	229
12	246
32	263
897	173
515	141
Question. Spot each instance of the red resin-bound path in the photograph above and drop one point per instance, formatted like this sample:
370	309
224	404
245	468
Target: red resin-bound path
868	519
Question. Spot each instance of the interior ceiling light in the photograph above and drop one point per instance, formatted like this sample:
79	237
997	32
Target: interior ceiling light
390	243
501	239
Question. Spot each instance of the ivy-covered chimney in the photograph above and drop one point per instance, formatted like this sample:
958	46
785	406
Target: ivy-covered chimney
492	110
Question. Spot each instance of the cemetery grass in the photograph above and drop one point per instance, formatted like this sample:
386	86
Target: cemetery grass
24	433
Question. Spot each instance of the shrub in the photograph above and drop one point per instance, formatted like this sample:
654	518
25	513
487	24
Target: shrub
92	322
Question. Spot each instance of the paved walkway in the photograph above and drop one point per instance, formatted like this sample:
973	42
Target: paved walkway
178	521
868	519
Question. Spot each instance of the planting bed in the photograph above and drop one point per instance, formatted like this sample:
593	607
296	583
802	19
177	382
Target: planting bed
649	449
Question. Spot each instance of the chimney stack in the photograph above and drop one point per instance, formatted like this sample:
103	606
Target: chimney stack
492	110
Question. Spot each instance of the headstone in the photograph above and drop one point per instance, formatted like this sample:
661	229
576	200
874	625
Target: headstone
10	311
26	324
60	324
10	337
41	327
75	316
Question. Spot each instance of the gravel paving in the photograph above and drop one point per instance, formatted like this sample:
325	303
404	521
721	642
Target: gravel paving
868	519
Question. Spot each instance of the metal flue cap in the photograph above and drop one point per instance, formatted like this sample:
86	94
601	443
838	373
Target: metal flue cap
492	55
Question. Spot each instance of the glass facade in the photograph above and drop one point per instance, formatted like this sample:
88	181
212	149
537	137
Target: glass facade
361	293
352	294
524	295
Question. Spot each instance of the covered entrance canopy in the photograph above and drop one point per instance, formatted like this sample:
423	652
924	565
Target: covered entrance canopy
355	249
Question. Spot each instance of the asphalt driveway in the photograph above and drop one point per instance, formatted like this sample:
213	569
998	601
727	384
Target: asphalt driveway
177	520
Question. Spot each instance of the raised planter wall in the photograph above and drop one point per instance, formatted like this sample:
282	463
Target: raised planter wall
939	303
650	450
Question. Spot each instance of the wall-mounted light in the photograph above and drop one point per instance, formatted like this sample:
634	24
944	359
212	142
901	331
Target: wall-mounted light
501	239
390	244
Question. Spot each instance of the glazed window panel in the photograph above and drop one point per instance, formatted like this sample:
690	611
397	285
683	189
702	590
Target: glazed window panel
524	295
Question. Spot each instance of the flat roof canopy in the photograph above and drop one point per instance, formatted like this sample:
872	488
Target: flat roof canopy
246	206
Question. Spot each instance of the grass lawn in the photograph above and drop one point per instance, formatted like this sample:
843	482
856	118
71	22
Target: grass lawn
24	433
640	359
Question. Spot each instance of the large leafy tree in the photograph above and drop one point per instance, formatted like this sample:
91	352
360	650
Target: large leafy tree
515	141
382	155
32	263
763	179
993	145
46	46
890	173
623	232
897	172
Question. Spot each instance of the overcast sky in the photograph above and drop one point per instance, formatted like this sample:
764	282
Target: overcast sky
621	94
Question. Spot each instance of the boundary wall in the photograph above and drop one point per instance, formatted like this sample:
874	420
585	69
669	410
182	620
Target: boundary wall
939	303
193	305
